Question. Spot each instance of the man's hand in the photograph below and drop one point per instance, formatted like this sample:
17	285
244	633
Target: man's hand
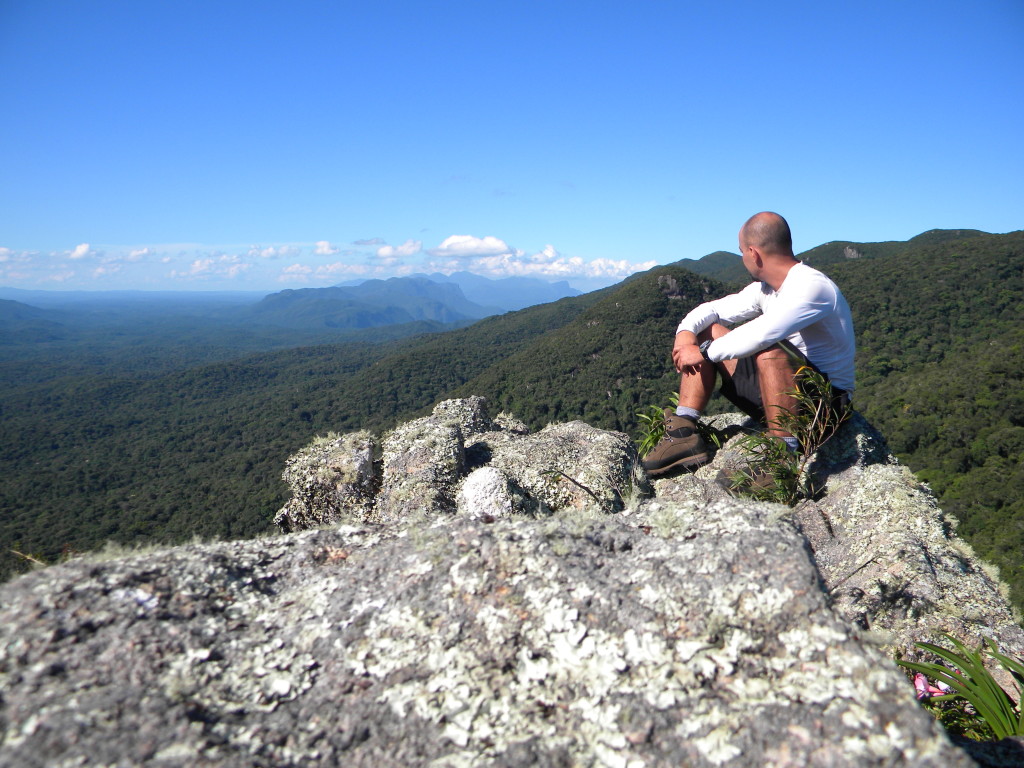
685	353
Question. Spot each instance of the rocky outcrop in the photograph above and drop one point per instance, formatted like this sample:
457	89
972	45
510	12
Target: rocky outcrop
525	601
459	458
889	558
334	477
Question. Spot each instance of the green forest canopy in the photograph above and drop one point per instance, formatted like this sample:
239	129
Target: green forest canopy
96	451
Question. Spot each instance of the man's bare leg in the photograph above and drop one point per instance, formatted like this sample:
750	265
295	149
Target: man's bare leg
777	380
775	375
696	386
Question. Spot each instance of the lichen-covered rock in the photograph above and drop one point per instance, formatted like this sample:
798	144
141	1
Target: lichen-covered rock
490	493
427	464
533	627
890	559
572	465
423	463
470	413
331	479
621	640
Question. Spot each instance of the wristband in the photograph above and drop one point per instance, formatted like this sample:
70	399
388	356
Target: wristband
704	350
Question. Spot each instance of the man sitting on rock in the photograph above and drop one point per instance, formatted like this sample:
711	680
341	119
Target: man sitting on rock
796	317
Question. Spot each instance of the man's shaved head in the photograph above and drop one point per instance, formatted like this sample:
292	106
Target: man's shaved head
769	233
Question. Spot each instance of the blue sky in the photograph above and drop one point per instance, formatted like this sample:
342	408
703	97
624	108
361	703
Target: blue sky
210	145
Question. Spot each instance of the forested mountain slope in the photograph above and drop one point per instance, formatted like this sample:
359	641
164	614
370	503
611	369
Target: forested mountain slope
728	267
131	456
940	371
607	364
939	324
370	304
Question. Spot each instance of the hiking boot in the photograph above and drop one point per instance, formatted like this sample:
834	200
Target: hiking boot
768	476
681	447
756	481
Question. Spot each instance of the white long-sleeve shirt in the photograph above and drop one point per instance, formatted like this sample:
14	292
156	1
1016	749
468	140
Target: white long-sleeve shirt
808	310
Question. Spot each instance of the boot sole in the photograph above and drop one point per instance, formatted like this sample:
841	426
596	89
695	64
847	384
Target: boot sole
687	462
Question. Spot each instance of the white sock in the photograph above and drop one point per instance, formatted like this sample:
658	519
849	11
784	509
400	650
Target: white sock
690	413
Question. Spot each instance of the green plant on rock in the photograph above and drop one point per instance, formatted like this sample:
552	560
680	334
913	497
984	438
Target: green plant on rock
991	709
776	473
652	425
773	472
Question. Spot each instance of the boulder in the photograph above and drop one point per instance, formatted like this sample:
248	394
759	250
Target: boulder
435	465
486	596
331	479
673	635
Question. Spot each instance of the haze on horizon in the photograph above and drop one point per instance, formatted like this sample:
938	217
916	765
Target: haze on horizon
262	146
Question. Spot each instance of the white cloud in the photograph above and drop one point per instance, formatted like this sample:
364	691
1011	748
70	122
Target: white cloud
406	249
371	241
296	272
324	248
303	273
80	252
503	261
273	252
341	268
138	254
201	267
106	269
613	268
222	265
6	254
467	247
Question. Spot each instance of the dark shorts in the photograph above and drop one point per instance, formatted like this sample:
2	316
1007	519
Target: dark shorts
744	390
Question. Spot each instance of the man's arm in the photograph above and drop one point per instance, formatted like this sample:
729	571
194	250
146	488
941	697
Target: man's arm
744	305
726	310
806	301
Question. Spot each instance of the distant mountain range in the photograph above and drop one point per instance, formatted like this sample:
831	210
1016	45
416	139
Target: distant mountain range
367	305
451	300
508	293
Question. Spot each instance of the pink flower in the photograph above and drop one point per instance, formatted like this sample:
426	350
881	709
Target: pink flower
925	690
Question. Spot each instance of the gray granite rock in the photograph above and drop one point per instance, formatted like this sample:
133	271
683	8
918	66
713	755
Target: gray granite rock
427	464
571	466
675	635
511	600
890	560
333	478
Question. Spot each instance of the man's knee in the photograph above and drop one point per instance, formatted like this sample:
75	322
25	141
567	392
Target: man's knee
713	331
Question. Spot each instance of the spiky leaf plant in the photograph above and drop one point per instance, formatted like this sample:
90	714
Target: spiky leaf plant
652	425
971	681
774	473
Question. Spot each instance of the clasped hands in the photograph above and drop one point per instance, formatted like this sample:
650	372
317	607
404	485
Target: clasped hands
686	354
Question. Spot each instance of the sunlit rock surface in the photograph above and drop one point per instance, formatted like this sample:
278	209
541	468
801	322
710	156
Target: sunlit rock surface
332	478
889	558
690	628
